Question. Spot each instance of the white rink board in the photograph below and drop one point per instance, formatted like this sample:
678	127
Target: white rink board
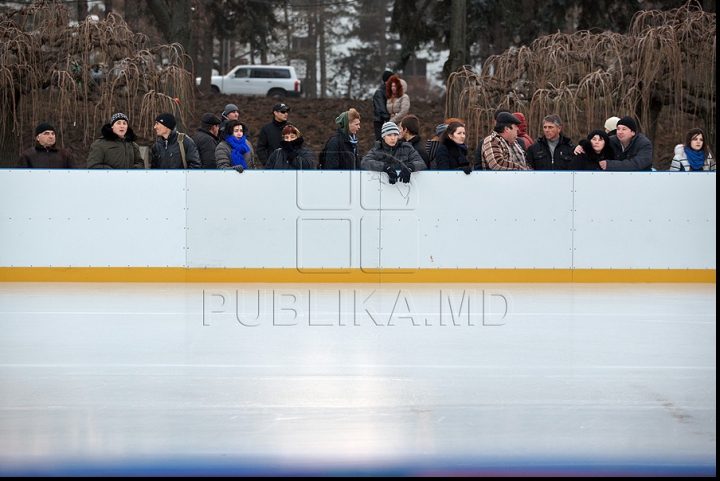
496	220
355	220
643	220
92	218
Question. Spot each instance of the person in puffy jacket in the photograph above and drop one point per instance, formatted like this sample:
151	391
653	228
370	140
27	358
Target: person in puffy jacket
234	151
45	154
693	155
397	159
116	149
452	153
291	154
596	148
166	153
398	102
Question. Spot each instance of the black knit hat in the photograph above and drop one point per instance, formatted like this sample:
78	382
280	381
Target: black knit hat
167	119
386	75
628	122
42	128
118	116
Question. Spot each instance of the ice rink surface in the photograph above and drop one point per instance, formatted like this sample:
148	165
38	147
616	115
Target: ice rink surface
357	379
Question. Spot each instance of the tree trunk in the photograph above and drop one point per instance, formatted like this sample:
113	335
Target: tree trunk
204	62
132	14
323	59
311	57
457	38
174	20
82	10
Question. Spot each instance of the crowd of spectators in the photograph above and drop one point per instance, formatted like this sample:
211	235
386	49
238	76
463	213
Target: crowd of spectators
223	143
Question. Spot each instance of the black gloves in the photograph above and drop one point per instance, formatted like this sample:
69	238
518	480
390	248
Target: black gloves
392	175
405	171
466	168
292	157
239	169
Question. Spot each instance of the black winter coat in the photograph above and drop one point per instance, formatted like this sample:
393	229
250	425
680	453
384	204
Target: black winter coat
291	155
47	158
416	143
206	144
380	112
269	140
166	153
451	156
341	154
590	160
539	158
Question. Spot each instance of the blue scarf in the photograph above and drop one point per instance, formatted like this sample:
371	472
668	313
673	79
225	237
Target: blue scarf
239	148
354	141
696	158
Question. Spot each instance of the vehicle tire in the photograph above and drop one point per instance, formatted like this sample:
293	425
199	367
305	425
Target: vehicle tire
215	89
276	93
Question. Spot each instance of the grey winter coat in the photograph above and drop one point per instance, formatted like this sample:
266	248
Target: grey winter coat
638	155
381	154
223	156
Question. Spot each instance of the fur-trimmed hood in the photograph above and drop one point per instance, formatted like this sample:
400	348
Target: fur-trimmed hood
401	87
108	134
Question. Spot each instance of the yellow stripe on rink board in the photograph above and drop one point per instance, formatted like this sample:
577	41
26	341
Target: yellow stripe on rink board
181	274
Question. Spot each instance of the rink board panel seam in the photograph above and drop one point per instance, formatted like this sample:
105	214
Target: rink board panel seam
195	275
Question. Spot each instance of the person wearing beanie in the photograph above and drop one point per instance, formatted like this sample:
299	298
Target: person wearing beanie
410	133
116	148
234	151
633	151
398	102
694	154
596	148
611	126
523	139
172	150
478	151
432	145
45	154
230	112
271	133
341	150
500	150
452	153
291	154
552	151
380	112
206	139
397	159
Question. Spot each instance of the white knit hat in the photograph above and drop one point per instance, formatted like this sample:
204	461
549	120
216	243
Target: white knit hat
611	123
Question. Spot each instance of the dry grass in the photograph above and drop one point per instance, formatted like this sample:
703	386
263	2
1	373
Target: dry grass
662	73
46	68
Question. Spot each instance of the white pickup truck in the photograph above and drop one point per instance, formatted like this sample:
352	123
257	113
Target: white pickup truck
265	80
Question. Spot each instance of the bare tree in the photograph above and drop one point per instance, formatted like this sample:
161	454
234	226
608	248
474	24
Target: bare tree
174	20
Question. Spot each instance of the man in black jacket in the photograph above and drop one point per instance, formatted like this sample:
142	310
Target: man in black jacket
410	133
166	153
380	113
271	133
552	151
206	139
